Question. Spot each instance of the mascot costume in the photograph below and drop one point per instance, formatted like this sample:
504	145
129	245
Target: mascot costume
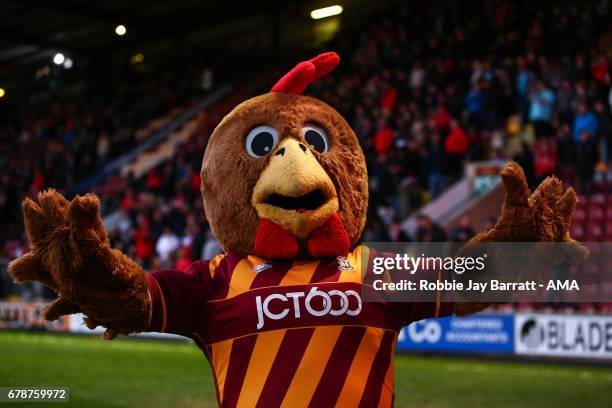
279	314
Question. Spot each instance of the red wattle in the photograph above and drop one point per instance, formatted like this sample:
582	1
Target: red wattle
330	239
274	242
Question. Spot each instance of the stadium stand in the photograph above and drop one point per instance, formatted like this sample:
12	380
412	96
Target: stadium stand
426	89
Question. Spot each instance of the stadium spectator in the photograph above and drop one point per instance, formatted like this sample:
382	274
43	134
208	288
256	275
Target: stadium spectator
544	159
464	231
383	139
524	157
542	101
166	244
584	122
456	146
436	166
185	259
604	131
565	101
524	81
586	157
144	242
397	233
428	231
474	102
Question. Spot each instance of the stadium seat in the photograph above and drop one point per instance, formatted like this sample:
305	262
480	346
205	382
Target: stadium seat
598	198
595	211
608	227
594	231
608	209
580	214
577	231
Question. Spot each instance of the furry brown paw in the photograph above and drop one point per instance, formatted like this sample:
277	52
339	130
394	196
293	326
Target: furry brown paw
543	216
71	254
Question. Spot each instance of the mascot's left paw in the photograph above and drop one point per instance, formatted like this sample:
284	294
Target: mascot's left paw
544	216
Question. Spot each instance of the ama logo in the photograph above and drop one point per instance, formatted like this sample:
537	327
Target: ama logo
532	334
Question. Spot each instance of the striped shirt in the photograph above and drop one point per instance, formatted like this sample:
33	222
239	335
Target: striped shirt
288	334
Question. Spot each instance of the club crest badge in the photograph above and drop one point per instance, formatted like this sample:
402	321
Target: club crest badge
344	264
262	267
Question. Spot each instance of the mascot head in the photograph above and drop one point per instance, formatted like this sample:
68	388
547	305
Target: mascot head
283	175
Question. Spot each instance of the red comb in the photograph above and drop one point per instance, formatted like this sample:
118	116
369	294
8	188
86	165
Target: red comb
296	80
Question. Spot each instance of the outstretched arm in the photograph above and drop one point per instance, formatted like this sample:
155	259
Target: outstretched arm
70	253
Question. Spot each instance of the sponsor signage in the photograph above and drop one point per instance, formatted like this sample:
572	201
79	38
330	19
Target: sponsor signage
28	316
349	304
77	325
530	334
25	316
474	334
579	336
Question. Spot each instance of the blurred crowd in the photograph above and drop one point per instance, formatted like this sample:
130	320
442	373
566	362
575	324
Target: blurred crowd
162	222
60	139
426	90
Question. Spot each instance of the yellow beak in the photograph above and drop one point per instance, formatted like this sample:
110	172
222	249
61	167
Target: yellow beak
294	190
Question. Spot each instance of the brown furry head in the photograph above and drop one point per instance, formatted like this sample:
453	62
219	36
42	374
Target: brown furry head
235	188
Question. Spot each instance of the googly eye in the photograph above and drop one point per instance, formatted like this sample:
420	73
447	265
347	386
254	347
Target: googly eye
261	141
316	138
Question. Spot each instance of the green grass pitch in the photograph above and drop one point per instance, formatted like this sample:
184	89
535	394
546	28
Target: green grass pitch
153	373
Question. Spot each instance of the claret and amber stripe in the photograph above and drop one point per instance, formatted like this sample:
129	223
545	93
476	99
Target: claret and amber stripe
284	367
316	367
279	333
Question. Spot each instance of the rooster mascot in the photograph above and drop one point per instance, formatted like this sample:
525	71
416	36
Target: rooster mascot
279	314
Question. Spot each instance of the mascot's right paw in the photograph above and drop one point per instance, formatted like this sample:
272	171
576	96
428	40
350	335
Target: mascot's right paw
44	223
71	254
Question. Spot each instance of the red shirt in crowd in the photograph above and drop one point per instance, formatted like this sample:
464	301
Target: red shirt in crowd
545	162
457	141
383	140
153	179
144	245
389	98
441	118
